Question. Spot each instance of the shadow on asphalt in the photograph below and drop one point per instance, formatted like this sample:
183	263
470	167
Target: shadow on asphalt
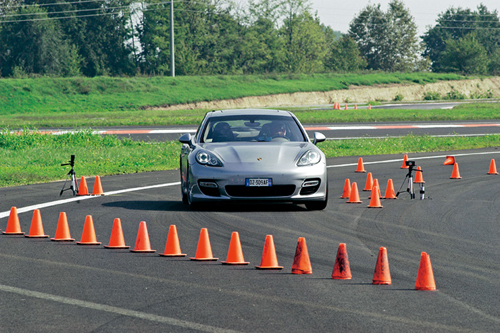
212	207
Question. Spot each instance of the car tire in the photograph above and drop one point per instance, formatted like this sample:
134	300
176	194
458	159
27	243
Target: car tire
184	196
318	205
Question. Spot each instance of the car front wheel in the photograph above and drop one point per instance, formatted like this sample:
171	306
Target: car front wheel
318	205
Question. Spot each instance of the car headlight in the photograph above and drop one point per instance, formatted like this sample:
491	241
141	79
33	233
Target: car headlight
309	157
207	158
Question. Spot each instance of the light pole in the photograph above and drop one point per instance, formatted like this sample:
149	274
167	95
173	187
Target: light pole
172	55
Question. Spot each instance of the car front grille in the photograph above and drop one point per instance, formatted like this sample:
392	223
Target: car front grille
268	191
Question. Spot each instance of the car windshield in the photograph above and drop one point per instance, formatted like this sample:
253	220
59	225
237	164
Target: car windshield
258	128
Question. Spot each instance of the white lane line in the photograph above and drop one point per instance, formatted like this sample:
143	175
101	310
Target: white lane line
64	201
114	310
416	159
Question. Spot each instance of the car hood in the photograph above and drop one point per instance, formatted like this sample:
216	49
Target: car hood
264	153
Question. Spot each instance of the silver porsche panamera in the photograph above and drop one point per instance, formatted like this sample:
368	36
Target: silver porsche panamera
253	155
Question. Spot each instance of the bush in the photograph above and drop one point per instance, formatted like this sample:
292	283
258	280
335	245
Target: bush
452	95
399	97
432	96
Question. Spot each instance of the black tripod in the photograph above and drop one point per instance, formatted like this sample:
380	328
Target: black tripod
71	177
409	177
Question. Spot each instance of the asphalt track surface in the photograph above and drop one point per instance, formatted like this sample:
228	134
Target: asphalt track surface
331	131
47	286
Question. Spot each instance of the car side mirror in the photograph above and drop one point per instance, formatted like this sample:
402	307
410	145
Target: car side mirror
186	138
318	137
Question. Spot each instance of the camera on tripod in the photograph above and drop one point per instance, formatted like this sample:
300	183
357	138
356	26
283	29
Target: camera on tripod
70	162
409	178
71	177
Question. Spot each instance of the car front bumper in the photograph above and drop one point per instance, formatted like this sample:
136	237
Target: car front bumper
229	183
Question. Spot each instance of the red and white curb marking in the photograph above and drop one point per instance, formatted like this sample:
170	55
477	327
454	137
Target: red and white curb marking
308	128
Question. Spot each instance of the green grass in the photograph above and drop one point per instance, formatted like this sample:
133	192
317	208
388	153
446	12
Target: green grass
29	158
468	111
104	94
406	144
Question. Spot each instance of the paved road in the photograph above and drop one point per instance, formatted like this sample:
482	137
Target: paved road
61	287
332	131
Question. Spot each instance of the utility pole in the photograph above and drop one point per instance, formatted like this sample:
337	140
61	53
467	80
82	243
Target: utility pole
172	55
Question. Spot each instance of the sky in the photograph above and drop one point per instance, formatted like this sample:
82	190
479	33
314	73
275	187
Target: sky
338	14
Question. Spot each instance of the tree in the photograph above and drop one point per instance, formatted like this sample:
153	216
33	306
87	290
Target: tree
367	29
494	65
456	23
388	41
345	56
32	46
465	55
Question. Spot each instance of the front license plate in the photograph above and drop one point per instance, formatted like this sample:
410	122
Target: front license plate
259	182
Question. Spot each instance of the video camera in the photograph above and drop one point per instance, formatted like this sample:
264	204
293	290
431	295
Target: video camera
410	163
71	162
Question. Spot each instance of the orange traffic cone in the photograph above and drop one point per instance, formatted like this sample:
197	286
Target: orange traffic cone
235	253
425	276
341	268
142	244
419	178
97	186
493	168
116	241
450	160
382	274
269	259
88	234
369	182
335	106
36	229
375	198
301	262
455	173
369	106
355	106
405	159
83	189
347	189
361	167
375	183
389	191
346	106
172	247
13	225
204	249
62	231
354	197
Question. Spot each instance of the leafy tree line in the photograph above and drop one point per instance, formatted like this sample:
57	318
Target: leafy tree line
212	37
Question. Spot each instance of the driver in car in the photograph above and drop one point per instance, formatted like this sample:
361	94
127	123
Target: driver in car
222	132
278	132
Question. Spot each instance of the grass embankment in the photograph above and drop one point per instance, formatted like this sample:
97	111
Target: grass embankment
105	101
31	158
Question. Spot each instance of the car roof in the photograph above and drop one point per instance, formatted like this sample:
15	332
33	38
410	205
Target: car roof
234	112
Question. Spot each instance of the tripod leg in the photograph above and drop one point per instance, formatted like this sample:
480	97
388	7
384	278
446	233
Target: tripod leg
64	185
74	184
402	184
411	188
